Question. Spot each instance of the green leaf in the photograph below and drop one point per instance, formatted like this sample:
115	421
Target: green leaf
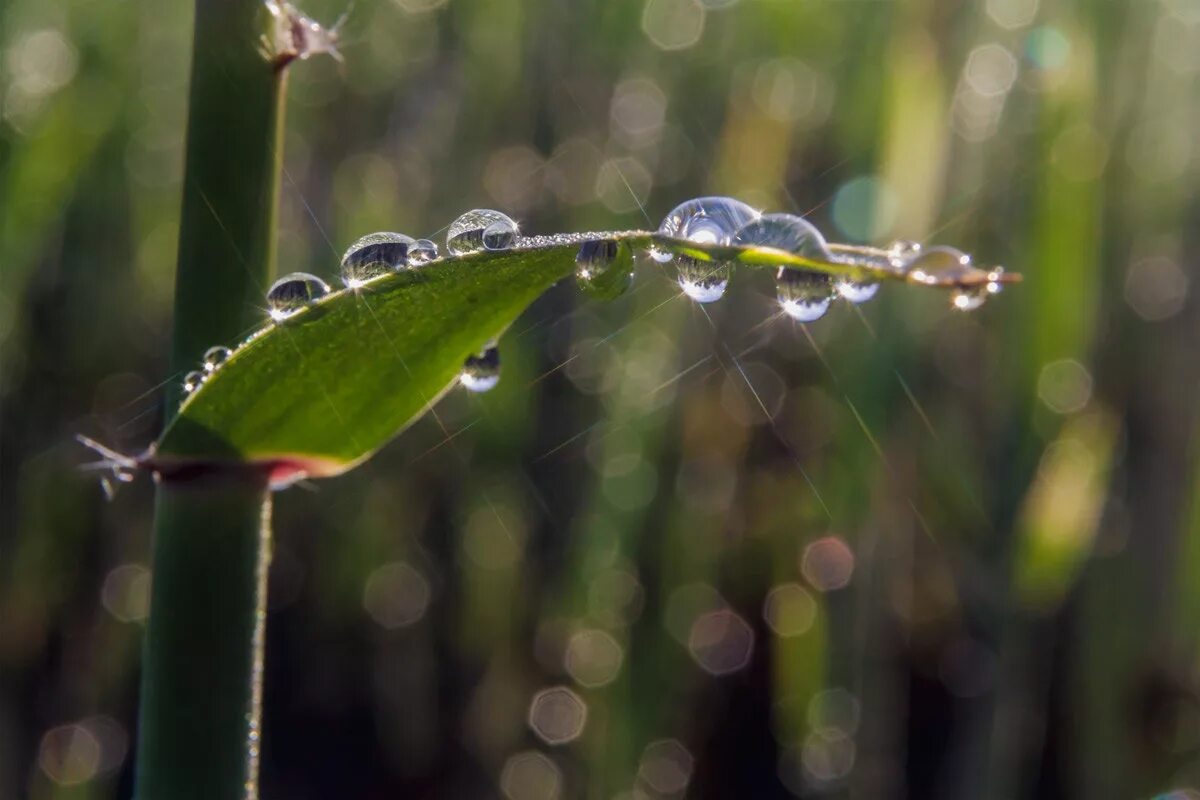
321	391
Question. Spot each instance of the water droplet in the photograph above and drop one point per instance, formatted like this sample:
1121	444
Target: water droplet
294	292
422	251
373	255
703	281
804	296
707	220
192	381
901	251
784	232
604	268
939	265
214	357
481	373
481	229
969	299
857	291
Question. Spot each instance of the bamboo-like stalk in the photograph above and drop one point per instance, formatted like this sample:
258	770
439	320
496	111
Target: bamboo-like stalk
202	675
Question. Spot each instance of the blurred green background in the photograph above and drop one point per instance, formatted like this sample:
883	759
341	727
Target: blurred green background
679	551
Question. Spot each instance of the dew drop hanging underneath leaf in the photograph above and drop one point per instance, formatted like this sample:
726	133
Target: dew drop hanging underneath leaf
604	268
481	373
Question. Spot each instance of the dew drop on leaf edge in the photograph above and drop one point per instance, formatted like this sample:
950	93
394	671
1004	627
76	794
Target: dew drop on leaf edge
422	251
481	229
192	381
214	357
294	292
373	255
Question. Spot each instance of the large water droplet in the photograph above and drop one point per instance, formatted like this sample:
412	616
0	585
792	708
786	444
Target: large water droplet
422	251
481	373
373	255
803	295
294	292
706	220
604	268
481	229
939	265
703	281
192	381
214	357
784	232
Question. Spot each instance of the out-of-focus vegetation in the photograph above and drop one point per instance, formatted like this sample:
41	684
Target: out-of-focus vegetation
902	552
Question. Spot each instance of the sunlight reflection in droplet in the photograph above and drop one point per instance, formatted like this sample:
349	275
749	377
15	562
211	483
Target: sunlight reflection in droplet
828	564
721	642
557	715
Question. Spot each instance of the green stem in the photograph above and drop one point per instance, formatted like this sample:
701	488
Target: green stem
202	676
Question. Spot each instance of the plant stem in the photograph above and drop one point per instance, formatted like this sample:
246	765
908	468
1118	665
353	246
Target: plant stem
202	672
202	675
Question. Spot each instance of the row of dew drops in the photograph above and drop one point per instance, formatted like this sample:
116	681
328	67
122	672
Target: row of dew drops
803	295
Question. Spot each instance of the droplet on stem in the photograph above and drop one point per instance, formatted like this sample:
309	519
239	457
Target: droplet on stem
703	281
705	220
373	255
481	373
803	295
481	229
939	265
293	293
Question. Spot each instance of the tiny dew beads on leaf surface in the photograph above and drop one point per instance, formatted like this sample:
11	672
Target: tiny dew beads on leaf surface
303	396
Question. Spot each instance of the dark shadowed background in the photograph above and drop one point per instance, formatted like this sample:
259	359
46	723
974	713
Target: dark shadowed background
680	551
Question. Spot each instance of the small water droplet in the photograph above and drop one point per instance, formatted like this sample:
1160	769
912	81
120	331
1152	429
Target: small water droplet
192	381
481	229
703	281
373	255
481	373
706	220
969	299
857	291
939	265
214	357
604	268
422	251
294	292
901	251
803	295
